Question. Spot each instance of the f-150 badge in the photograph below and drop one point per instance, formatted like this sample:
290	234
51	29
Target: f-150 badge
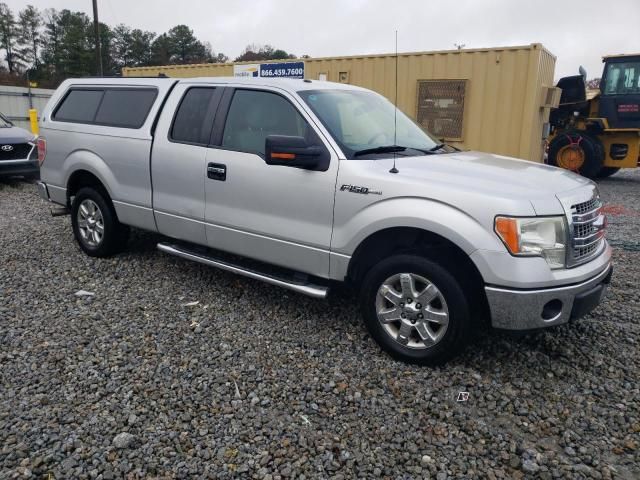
358	189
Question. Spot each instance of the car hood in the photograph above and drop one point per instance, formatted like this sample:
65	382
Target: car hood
492	176
12	135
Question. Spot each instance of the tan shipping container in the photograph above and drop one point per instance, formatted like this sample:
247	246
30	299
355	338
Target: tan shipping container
489	99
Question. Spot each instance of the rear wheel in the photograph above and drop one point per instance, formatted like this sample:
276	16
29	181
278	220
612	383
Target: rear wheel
577	151
607	171
415	309
95	224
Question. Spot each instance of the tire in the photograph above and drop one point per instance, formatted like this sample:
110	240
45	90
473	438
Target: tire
98	232
607	171
391	333
577	151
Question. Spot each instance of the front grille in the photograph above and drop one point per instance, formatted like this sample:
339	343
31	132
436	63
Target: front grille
19	151
588	230
585	207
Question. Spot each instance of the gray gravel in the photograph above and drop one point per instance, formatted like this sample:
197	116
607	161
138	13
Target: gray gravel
137	381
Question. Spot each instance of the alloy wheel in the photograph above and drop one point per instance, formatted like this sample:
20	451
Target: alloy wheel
412	310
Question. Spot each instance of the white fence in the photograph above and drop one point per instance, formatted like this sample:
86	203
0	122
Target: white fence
15	103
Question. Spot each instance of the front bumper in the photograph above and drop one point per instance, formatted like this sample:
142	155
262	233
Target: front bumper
18	167
531	309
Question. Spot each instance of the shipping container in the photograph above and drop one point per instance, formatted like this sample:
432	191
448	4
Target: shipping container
489	99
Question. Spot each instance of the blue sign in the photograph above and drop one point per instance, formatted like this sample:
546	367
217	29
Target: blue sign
284	69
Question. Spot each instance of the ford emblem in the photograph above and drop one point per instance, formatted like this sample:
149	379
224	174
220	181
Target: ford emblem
7	148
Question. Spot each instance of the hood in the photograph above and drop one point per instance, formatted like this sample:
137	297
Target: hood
12	135
490	176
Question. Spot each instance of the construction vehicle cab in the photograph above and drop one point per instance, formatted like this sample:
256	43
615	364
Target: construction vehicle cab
597	132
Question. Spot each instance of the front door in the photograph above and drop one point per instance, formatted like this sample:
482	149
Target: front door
278	214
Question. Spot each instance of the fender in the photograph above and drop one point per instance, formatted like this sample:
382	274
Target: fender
430	215
425	214
82	159
129	214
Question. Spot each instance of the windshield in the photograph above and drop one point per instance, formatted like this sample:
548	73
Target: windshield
362	122
622	78
4	123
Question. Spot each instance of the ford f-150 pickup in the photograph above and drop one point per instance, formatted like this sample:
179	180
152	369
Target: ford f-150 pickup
304	183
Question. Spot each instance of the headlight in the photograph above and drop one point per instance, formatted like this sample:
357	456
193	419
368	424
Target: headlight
534	237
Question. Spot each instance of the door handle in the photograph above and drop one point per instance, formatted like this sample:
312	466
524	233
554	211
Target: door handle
217	171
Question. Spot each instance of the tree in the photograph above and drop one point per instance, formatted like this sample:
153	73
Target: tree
141	52
161	50
76	56
185	48
220	58
9	37
121	47
51	44
57	44
30	35
106	47
253	53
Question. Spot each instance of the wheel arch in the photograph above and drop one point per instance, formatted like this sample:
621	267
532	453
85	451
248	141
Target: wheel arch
83	178
412	240
86	166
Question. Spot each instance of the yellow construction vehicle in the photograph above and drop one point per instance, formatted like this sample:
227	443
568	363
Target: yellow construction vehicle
597	133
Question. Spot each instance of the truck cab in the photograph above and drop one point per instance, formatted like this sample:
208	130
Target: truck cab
619	99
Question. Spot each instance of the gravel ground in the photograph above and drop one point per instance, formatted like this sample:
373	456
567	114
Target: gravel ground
137	381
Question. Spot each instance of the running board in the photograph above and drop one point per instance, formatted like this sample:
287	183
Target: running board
316	291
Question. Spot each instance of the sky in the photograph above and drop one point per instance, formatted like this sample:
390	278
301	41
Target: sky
577	32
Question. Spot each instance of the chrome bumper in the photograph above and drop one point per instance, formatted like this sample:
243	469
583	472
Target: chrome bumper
43	191
532	309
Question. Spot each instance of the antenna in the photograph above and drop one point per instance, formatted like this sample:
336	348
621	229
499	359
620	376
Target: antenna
395	112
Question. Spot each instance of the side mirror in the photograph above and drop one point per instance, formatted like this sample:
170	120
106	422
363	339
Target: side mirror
291	152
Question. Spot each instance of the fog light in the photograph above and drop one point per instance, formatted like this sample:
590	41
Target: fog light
551	310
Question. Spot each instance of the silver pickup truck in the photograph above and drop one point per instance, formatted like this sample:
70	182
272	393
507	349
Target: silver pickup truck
303	183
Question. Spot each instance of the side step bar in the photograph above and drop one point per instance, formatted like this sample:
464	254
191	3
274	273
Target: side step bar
316	291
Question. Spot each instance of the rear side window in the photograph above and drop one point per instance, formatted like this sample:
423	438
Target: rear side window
79	106
125	108
114	107
194	118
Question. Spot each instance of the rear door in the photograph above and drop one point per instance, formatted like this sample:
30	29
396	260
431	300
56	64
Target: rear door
278	214
178	169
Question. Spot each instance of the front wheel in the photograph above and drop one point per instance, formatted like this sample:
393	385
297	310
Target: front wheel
95	224
415	309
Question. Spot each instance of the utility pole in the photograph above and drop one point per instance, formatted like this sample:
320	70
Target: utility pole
96	28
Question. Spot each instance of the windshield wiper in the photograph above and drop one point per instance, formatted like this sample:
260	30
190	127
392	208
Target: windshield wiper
381	149
438	147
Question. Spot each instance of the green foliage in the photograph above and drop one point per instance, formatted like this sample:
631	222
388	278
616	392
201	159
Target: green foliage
57	44
30	35
254	53
9	38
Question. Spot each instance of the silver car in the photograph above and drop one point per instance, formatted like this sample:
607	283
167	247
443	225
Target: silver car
311	183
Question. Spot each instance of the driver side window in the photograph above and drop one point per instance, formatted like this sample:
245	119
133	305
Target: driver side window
254	115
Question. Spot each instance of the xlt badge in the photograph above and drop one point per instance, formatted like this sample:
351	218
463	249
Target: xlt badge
358	189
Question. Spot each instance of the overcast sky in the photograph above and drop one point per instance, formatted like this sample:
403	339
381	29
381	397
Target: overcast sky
577	32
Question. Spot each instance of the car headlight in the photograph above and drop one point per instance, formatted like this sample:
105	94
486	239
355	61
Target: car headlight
534	237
